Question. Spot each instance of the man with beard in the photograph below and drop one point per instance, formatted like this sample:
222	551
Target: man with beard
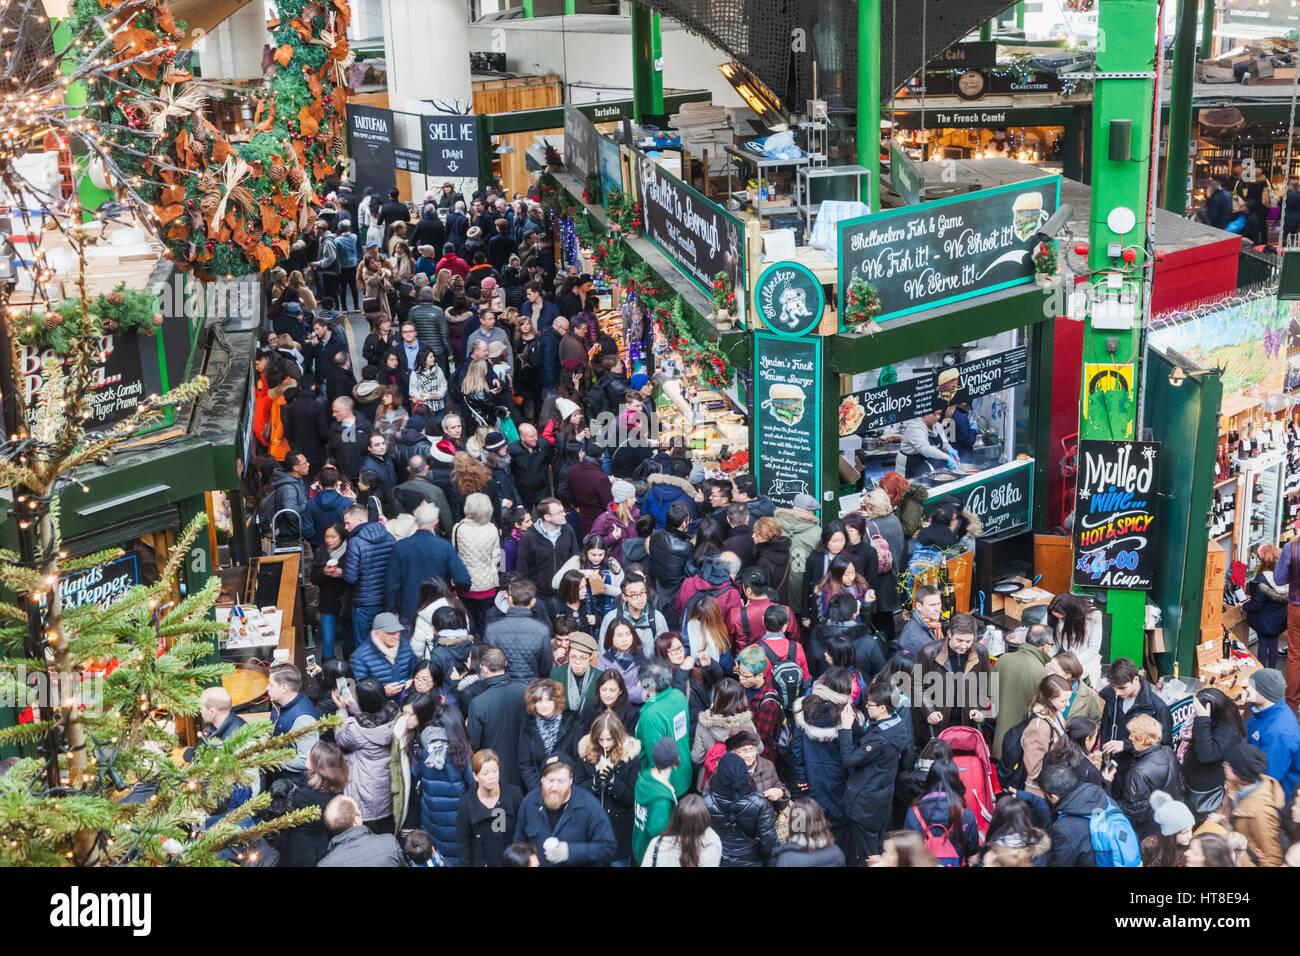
566	826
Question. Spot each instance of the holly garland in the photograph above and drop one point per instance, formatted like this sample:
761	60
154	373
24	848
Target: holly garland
724	297
624	211
714	369
1045	262
224	209
862	308
591	187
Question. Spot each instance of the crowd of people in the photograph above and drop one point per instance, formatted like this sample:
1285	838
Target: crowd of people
550	646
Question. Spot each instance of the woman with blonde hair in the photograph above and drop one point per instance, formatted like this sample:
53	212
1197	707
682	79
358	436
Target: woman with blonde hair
772	554
609	760
306	297
618	522
549	728
883	524
706	632
480	408
443	296
478	543
469	476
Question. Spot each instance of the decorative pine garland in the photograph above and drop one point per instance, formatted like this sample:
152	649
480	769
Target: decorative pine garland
863	306
265	190
122	311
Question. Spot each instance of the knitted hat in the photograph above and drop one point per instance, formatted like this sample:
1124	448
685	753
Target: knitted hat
622	491
571	365
1171	815
494	441
427	251
497	350
415	423
1270	684
488	283
1247	761
474	233
565	408
639	381
578	641
665	754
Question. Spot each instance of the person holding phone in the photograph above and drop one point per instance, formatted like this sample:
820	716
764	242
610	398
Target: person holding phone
387	656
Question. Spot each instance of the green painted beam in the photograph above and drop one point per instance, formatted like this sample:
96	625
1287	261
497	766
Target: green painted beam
528	9
1180	110
869	98
647	49
986	31
1020	15
1207	30
527	121
88	194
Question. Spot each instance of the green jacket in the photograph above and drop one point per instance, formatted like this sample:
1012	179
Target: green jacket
654	805
911	510
1087	703
1018	675
561	675
666	716
805	535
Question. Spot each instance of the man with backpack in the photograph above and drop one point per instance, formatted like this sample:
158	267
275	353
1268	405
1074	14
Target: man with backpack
1089	830
327	266
766	706
955	676
747	623
1018	672
716	578
873	756
787	667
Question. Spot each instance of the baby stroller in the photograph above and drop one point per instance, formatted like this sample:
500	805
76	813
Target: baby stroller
975	767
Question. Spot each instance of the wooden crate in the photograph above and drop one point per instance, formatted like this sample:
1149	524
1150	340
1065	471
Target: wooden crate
1216	565
1054	560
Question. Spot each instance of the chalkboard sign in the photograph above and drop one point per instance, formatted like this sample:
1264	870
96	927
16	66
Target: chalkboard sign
918	257
984	53
1001	499
1115	513
697	235
132	371
411	160
451	145
370	144
787	412
102	585
580	148
936	390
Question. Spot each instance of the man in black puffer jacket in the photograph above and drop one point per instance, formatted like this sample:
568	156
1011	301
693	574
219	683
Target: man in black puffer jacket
545	546
412	441
670	549
741	816
306	426
1074	803
365	567
873	761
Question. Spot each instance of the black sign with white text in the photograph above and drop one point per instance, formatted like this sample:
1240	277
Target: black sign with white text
411	160
102	585
1115	511
370	144
451	145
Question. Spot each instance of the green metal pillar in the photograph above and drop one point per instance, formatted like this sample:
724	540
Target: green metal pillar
528	9
88	194
1207	30
1180	109
570	7
986	31
647	51
869	97
1020	15
1120	179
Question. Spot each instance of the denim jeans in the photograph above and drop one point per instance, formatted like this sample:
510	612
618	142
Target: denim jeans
328	626
362	618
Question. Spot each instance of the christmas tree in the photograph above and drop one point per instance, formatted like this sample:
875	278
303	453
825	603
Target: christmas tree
105	788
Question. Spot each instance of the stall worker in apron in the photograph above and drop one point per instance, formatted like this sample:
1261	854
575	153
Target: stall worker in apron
924	438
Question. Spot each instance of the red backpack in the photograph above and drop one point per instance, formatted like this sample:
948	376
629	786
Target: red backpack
716	752
937	841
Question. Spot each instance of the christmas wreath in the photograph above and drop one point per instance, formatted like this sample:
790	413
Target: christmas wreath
1045	258
222	209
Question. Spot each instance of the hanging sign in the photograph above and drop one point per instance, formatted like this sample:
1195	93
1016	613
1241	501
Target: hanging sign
787	404
1002	498
697	235
580	149
370	144
789	299
1115	514
451	145
983	53
935	390
903	176
946	250
103	584
410	160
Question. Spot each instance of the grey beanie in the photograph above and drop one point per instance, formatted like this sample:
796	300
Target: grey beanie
696	475
1171	815
1270	684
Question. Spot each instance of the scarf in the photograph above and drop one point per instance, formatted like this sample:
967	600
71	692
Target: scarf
549	728
573	692
336	554
389	652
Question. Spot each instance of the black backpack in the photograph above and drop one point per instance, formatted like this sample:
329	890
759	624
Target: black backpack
1011	765
787	676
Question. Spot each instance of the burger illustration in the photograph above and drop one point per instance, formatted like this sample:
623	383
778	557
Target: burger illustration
1027	214
949	384
786	403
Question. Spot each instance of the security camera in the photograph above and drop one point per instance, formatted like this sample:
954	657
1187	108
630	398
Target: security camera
1055	223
